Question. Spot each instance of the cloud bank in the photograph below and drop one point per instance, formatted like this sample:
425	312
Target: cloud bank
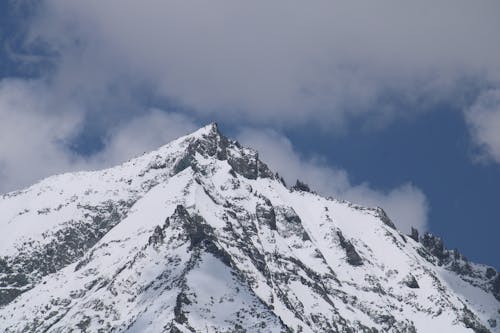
36	135
483	118
291	62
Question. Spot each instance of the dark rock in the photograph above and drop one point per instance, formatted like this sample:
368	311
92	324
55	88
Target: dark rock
471	321
199	233
496	287
267	215
8	295
382	215
461	267
490	272
84	323
387	320
157	237
456	254
179	314
183	163
414	234
403	238
4	266
280	179
291	216
233	173
67	245
353	258
300	186
247	166
245	162
411	282
435	245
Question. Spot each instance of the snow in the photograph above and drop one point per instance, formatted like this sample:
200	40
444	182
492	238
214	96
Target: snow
294	275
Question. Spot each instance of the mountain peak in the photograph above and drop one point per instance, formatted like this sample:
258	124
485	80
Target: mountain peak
209	143
200	236
211	130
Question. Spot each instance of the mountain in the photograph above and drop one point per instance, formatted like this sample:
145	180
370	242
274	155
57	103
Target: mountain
201	236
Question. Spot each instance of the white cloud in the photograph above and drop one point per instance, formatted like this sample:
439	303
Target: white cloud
289	61
281	63
484	121
142	134
406	204
36	131
33	136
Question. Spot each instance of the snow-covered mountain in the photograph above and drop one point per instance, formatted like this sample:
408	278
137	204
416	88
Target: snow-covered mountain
200	236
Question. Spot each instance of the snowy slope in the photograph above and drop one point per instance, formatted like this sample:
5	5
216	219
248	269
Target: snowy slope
200	236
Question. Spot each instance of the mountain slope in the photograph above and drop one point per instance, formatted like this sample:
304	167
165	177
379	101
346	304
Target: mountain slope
200	236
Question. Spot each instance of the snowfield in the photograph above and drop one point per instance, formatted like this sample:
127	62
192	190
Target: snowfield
200	236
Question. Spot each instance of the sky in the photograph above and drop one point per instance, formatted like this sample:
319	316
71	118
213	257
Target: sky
384	103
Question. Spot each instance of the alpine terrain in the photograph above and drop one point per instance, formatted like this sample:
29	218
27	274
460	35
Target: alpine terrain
201	236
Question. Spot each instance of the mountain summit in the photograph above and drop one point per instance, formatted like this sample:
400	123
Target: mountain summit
201	236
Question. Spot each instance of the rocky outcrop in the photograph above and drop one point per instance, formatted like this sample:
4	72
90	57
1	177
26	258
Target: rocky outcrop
352	256
157	237
434	245
385	218
69	243
211	240
495	287
411	282
244	161
265	214
414	234
301	186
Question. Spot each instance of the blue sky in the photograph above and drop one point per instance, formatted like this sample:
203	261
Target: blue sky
434	152
381	104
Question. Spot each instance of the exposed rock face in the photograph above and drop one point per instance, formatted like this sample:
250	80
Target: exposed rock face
435	245
478	275
266	214
300	186
490	272
411	282
414	234
157	237
58	248
384	218
496	287
353	257
200	236
244	161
